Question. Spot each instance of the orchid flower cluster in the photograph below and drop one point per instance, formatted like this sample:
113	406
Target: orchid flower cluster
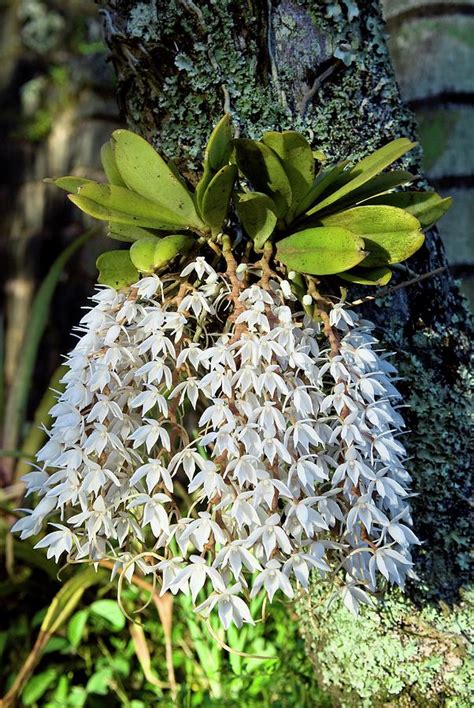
224	441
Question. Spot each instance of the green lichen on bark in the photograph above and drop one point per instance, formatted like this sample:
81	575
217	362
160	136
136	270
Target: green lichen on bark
397	655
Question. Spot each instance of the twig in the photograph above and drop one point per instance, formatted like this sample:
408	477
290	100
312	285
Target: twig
309	95
406	284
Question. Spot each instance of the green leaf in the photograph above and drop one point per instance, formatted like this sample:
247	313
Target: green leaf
367	221
365	170
123	200
69	184
219	145
145	172
149	254
297	157
142	254
107	158
376	186
321	251
76	627
215	202
390	234
322	182
98	683
383	157
428	207
37	686
56	644
127	232
257	214
264	170
67	599
367	276
116	269
110	611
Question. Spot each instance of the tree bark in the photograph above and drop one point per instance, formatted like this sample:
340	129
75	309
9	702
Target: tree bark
323	68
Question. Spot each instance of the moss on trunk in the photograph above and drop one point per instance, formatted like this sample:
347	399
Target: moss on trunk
324	68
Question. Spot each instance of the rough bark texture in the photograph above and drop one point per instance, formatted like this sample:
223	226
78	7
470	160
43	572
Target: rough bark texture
324	68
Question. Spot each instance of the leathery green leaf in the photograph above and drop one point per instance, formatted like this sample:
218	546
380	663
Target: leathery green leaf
107	158
297	157
127	232
322	182
257	214
88	206
376	186
215	202
219	145
367	221
390	234
116	269
149	254
69	184
321	251
365	170
264	170
145	172
428	207
367	276
123	200
142	253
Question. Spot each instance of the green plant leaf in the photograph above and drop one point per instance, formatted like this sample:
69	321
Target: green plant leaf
37	686
264	170
98	684
67	599
110	611
378	185
322	182
215	202
69	184
428	207
76	627
297	157
257	214
145	172
383	157
116	217
116	269
142	253
149	254
107	158
127	232
390	234
367	276
366	221
321	251
123	200
365	170
219	146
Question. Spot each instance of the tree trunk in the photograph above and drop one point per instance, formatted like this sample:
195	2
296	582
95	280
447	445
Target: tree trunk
323	68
